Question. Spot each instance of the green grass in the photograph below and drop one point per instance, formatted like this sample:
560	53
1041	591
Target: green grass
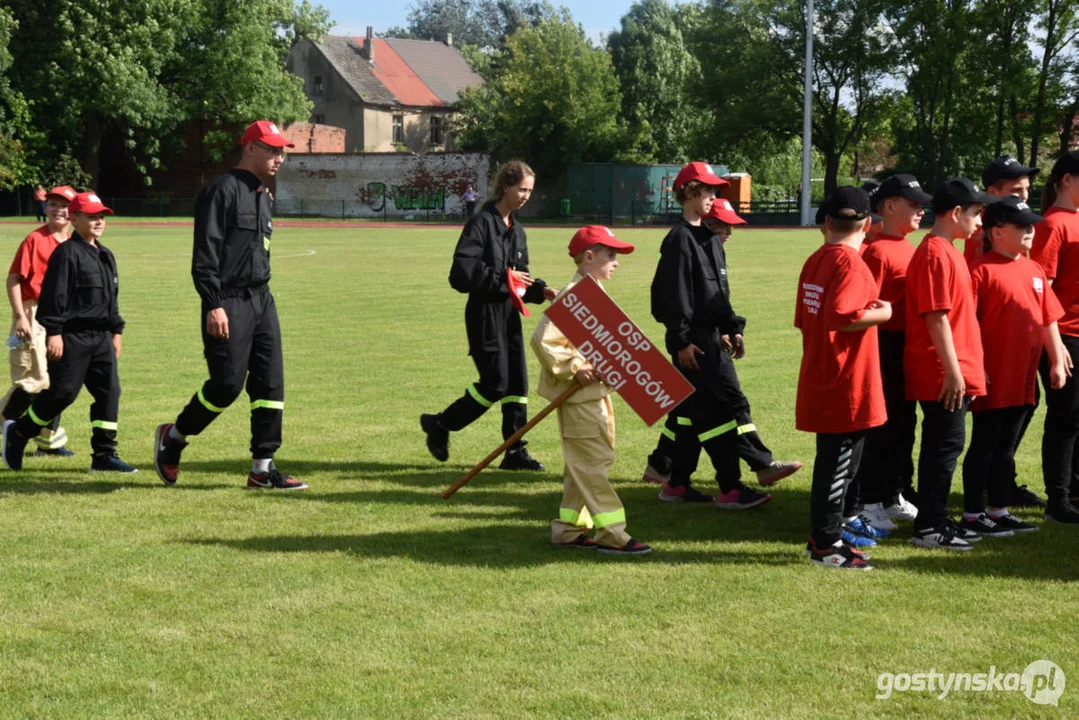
370	596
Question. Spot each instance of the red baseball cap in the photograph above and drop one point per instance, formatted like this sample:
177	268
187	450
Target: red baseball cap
89	203
591	235
517	291
65	191
265	132
701	172
722	211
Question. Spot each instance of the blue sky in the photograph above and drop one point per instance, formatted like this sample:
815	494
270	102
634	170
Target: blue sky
352	18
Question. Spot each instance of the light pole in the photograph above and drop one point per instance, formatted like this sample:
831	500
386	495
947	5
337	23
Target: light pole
807	121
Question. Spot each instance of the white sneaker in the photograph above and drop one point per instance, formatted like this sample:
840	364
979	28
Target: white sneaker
902	511
878	517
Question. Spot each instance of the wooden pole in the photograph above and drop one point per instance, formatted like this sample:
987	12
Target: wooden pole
512	439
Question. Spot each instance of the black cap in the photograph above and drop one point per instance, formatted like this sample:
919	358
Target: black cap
906	186
847	203
1066	164
820	216
959	191
1010	210
1006	167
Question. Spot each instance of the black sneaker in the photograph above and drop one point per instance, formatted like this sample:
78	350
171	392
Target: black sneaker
438	437
939	539
963	533
985	526
519	459
167	454
1066	514
273	479
630	548
1011	522
111	463
1024	497
54	452
12	446
837	556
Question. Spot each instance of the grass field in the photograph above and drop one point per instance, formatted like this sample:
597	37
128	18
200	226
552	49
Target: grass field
370	596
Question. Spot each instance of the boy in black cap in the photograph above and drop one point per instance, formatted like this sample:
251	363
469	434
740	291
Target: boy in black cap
1017	313
839	385
942	361
1004	177
887	475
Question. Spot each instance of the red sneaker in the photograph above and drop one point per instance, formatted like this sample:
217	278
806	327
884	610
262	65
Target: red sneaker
274	479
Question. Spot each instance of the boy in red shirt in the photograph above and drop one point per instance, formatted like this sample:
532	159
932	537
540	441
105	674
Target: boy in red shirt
888	471
1056	249
943	357
1016	310
29	366
839	388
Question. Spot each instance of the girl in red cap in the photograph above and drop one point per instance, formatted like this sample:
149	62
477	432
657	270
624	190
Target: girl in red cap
490	262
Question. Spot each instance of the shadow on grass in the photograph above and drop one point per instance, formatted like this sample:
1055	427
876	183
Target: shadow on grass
494	546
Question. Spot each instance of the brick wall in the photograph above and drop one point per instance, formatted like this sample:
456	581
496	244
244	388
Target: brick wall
311	138
379	184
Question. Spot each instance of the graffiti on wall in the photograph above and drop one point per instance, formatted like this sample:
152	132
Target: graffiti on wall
381	185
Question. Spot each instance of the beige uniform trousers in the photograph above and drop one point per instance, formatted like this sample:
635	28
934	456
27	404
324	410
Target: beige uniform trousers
588	500
30	371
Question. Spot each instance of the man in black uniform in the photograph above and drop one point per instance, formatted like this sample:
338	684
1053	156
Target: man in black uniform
79	310
240	333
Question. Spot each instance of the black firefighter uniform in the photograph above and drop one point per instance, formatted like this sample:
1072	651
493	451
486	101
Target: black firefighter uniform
586	424
230	265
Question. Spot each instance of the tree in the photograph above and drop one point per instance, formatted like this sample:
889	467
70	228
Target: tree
554	100
14	114
481	23
1060	25
114	79
655	69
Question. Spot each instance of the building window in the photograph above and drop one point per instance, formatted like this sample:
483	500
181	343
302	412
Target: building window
318	85
318	119
436	131
398	128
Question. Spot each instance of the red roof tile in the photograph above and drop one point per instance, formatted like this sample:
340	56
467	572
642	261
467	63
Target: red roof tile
396	75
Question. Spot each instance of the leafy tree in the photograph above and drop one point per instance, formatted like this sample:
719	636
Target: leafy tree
555	100
1059	24
655	70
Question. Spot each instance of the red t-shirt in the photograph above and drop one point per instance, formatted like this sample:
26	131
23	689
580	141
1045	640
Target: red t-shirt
938	279
839	386
1014	302
31	260
1056	249
888	258
974	248
40	195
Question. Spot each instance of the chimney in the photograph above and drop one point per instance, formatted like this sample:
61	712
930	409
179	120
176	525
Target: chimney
449	39
369	46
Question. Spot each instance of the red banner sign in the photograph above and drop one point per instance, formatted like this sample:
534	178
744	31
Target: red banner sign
620	352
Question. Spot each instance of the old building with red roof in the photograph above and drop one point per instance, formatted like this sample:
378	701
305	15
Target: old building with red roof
386	93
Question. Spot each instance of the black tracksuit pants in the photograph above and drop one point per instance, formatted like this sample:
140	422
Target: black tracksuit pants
708	419
252	353
990	461
89	359
836	464
1061	429
944	434
503	379
888	466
